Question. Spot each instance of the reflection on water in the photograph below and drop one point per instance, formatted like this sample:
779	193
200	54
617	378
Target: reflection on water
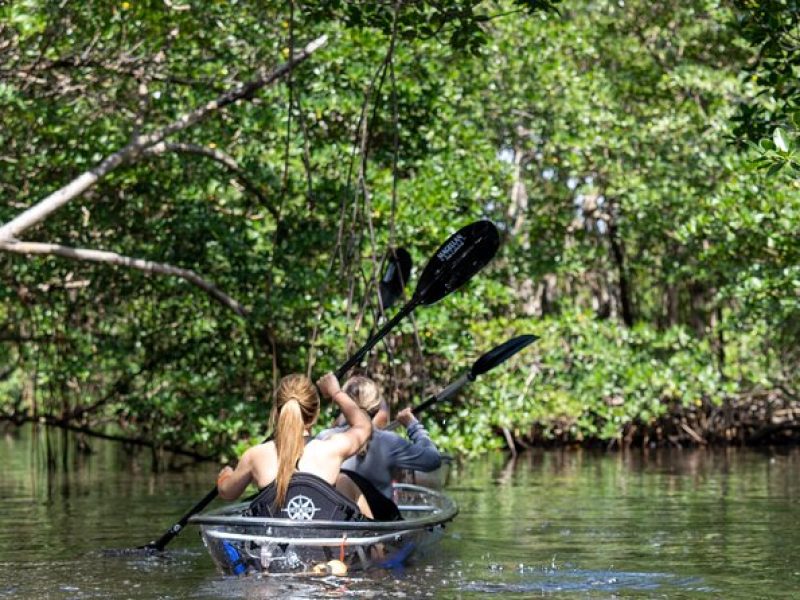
565	524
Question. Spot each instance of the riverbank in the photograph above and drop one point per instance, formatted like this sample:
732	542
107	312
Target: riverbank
767	418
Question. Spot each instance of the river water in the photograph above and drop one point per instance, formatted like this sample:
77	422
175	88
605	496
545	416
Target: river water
557	524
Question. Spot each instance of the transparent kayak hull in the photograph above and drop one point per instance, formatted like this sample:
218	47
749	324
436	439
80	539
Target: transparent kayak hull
435	480
241	544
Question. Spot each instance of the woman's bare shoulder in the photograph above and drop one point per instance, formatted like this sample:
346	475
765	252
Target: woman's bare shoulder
332	445
262	450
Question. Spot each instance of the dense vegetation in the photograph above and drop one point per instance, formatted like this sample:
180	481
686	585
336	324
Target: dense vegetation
638	158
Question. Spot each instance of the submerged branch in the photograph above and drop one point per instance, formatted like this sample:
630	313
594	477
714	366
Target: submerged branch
52	421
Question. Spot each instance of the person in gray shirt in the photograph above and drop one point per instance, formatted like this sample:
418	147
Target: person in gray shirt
385	451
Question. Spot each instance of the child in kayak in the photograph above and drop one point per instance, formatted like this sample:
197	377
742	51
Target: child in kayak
370	470
272	465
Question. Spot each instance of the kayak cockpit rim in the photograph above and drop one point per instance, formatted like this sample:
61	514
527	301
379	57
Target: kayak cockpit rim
442	510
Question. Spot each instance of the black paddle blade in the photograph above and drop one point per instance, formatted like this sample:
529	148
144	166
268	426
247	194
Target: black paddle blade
394	280
464	254
501	353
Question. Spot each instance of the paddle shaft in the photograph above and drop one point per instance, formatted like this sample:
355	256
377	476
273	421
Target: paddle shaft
485	363
173	531
446	393
356	358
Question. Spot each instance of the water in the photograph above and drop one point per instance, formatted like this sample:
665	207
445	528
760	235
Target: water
561	524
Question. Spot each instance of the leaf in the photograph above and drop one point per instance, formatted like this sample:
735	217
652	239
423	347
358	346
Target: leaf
775	168
779	137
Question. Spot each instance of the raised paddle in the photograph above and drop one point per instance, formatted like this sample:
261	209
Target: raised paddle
390	287
455	262
485	363
463	254
394	280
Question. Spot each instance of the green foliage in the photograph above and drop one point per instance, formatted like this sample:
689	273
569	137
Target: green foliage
586	379
768	117
461	23
658	267
771	28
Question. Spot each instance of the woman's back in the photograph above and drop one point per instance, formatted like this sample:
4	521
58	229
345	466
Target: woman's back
322	458
388	451
313	482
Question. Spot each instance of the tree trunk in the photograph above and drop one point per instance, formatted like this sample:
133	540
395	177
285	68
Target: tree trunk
618	254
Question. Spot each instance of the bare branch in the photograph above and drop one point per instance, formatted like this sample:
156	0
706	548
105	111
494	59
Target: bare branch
54	421
139	144
178	7
113	258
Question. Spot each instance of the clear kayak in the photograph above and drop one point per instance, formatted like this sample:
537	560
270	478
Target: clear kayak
241	544
435	480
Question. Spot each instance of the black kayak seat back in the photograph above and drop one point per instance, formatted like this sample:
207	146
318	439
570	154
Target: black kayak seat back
383	508
308	498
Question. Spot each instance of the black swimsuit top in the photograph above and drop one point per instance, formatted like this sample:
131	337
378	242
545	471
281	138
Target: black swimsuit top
308	497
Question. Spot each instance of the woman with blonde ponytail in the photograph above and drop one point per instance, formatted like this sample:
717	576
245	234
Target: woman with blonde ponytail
273	465
295	411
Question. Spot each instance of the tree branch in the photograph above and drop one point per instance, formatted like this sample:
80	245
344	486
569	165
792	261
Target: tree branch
139	144
53	421
113	258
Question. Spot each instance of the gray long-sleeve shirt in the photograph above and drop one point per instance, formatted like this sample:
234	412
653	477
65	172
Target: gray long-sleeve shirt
388	451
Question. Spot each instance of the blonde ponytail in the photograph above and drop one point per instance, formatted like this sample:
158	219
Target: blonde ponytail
289	445
296	408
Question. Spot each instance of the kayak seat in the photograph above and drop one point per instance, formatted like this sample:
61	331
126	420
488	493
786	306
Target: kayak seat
383	509
308	498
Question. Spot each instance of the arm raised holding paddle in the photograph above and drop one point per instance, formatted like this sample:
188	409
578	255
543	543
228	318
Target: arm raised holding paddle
348	442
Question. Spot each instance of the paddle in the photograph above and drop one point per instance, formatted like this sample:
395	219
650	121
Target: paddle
485	363
455	262
390	288
394	280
